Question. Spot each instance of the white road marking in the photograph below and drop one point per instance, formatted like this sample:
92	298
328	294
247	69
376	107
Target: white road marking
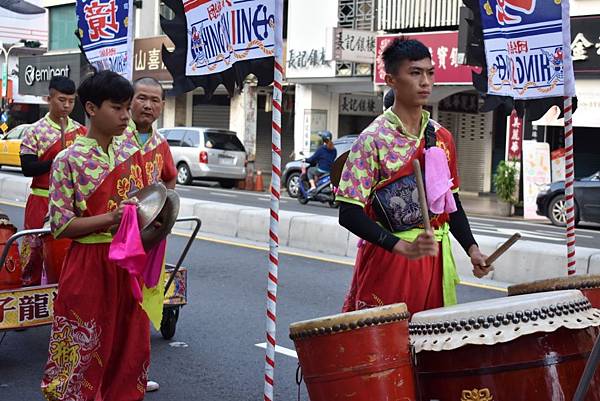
279	349
563	234
224	195
525	234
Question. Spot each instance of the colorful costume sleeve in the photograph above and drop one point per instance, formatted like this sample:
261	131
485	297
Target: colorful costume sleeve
62	194
361	172
29	144
169	171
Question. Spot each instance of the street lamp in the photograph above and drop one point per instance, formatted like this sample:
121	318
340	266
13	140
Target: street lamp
5	69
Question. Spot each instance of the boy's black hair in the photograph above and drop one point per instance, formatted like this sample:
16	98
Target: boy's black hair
402	49
62	84
102	86
149	81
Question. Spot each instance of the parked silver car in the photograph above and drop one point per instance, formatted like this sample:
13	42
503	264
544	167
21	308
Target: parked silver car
206	153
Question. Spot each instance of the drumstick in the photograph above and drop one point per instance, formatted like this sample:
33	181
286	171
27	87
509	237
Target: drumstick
422	196
503	248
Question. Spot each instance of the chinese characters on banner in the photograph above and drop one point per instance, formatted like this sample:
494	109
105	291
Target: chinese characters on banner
147	58
514	138
354	46
524	44
443	47
27	308
105	34
360	105
222	32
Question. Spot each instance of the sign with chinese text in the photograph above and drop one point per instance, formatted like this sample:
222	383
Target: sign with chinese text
147	58
536	174
460	103
28	307
514	137
299	59
353	45
106	37
443	47
223	32
524	46
585	45
359	105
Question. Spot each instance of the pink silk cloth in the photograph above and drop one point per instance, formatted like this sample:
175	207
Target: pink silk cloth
438	182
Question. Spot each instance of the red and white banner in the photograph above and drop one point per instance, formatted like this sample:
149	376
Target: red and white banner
443	47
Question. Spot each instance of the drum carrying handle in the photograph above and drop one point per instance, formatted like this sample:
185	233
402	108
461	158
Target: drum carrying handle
588	372
16	236
299	378
186	249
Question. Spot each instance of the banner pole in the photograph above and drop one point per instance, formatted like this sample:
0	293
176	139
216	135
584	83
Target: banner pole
275	200
569	180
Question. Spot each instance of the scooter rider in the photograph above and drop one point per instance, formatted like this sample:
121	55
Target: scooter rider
322	160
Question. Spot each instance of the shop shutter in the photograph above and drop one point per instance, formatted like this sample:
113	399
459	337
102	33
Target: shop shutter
474	148
210	116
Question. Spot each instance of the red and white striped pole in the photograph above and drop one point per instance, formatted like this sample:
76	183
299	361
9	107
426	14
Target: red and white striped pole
271	329
569	178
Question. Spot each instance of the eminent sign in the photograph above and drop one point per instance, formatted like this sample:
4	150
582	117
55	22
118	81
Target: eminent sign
36	72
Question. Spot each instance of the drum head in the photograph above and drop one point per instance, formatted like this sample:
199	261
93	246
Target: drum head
554	284
348	321
500	320
338	167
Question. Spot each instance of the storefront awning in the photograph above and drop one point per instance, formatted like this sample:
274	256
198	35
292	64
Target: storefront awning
588	107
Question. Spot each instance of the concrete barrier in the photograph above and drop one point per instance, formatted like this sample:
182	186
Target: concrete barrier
318	234
15	188
526	260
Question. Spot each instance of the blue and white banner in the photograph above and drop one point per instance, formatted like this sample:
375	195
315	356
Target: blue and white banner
527	46
223	32
106	34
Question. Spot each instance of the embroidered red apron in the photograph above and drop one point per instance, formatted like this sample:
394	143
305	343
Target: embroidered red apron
100	341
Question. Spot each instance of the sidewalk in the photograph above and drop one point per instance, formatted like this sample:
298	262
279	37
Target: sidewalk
486	205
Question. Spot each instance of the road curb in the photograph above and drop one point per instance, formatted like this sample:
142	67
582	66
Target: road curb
526	261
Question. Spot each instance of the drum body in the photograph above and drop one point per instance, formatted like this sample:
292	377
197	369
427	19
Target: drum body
55	251
10	273
535	353
588	285
362	355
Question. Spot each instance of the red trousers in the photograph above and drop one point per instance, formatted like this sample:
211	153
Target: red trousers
31	246
100	341
383	278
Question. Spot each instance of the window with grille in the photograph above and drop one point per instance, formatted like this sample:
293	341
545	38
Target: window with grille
355	14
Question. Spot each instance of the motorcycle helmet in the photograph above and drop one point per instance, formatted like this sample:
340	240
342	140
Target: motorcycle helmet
326	136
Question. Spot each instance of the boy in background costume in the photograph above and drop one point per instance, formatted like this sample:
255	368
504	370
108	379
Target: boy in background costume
100	340
398	261
41	143
146	106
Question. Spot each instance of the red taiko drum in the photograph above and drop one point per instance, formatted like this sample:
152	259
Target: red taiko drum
10	272
55	251
588	285
361	355
530	347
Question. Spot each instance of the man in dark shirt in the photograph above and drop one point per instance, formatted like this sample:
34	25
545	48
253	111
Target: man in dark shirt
323	158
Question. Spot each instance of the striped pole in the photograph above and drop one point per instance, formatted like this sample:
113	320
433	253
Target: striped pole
271	328
569	178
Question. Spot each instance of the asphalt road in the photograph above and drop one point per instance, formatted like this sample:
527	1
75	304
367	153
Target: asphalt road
219	328
587	236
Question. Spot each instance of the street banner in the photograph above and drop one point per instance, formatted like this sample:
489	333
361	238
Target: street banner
223	32
527	47
106	34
